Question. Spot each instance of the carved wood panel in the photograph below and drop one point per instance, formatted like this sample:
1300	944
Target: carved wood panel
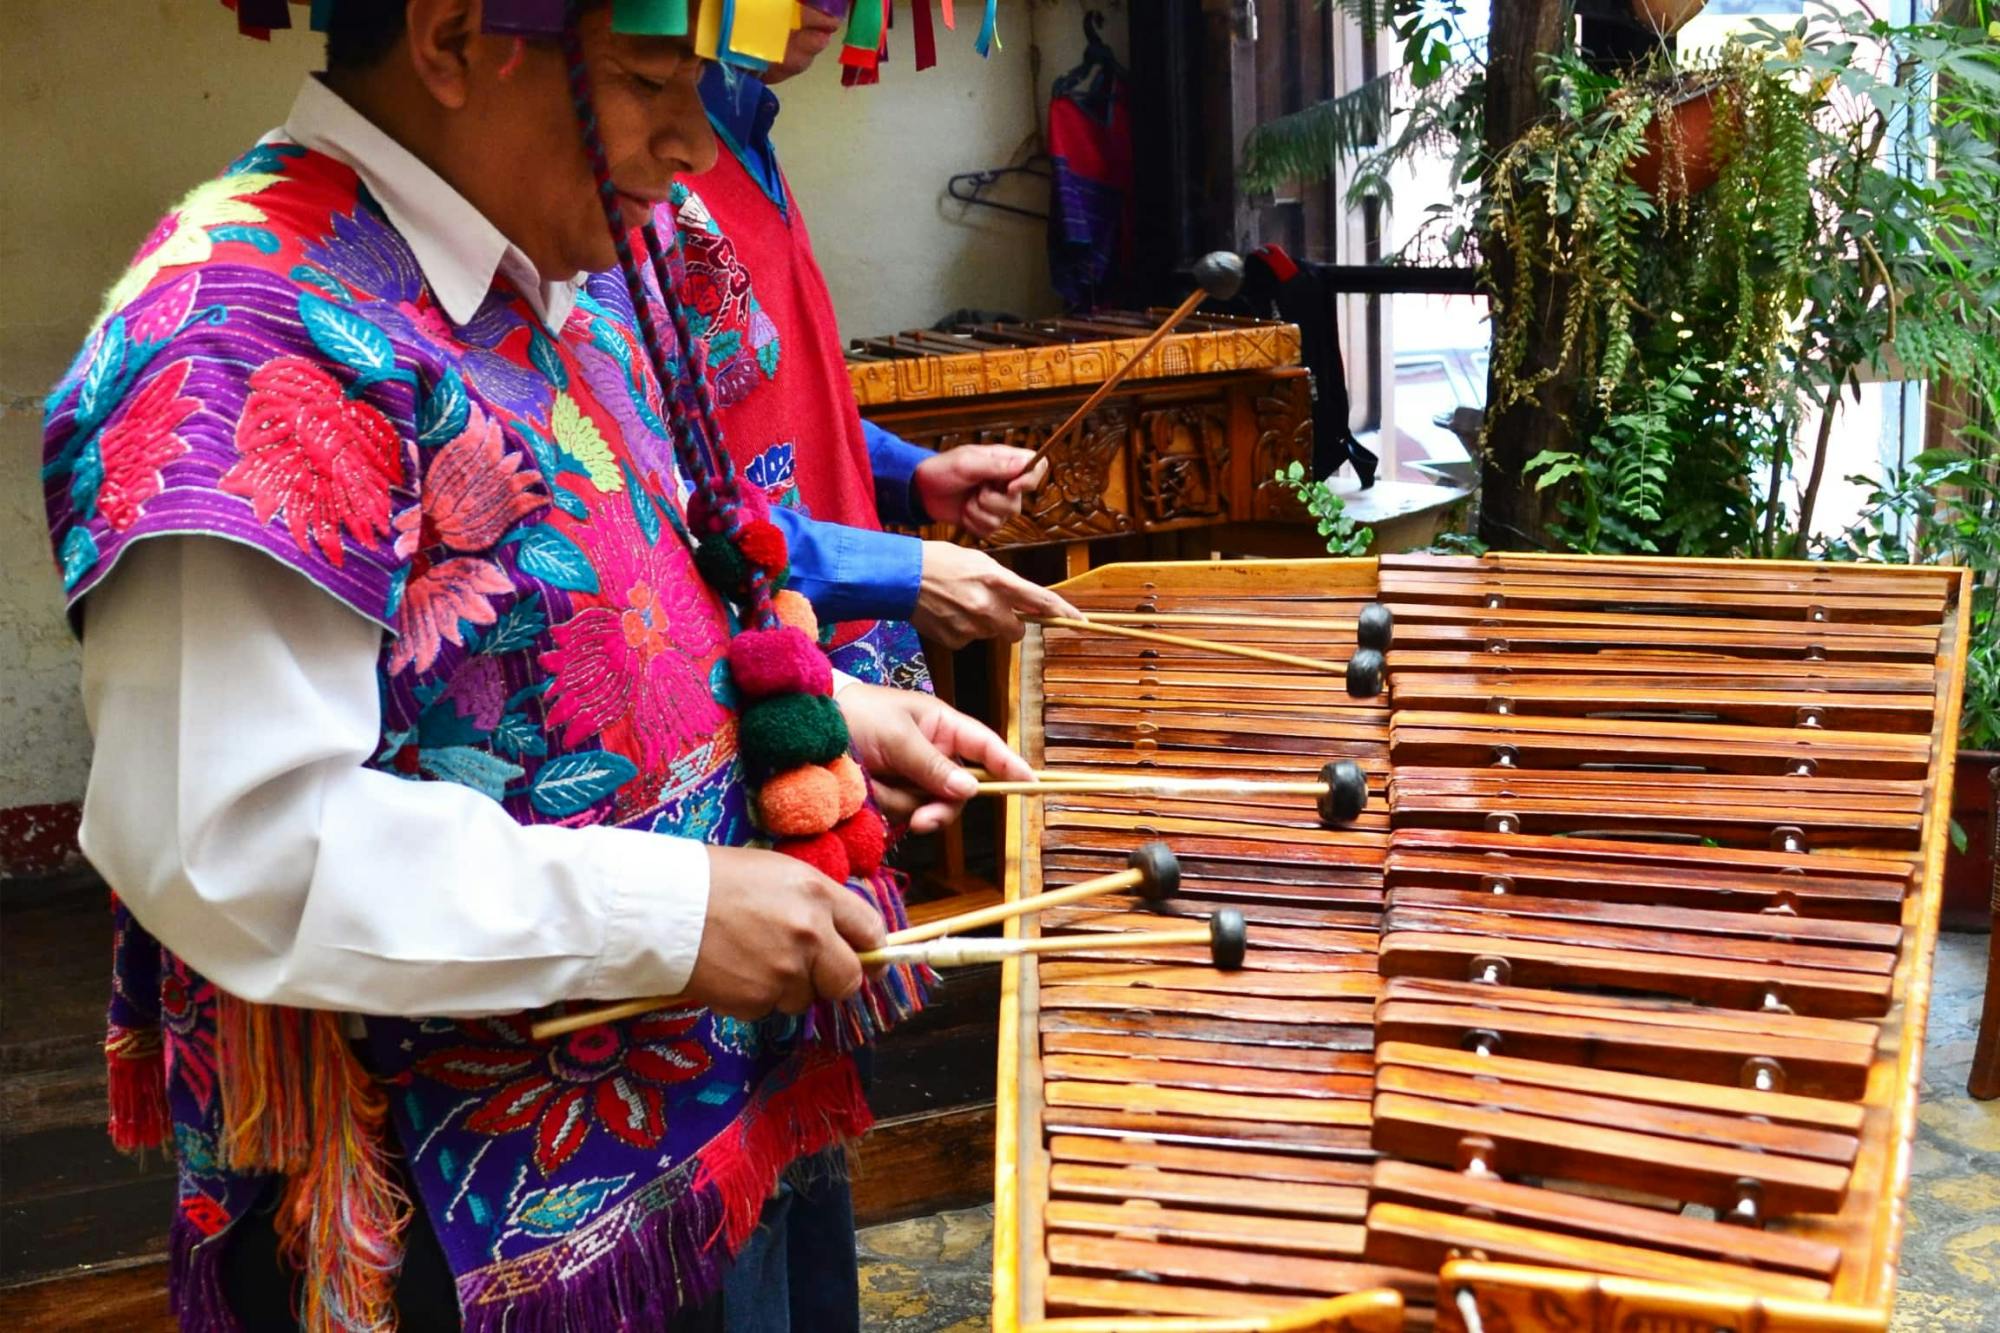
1186	453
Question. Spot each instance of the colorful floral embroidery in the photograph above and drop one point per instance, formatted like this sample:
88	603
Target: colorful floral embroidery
609	1077
474	491
139	442
323	459
183	236
634	667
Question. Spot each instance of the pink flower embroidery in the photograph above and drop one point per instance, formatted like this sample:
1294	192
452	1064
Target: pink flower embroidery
190	1045
634	667
473	491
326	460
142	441
613	1077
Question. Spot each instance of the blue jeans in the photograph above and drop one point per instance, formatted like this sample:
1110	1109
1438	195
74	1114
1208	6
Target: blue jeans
796	1273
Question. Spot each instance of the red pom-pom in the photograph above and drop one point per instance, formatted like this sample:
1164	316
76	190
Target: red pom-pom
866	838
825	853
763	545
784	660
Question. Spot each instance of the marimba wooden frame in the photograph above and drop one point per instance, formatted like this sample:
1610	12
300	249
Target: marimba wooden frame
1869	1226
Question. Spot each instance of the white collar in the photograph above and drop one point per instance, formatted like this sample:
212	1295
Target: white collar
459	251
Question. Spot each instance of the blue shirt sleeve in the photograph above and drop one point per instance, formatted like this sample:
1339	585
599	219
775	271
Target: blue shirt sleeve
852	573
894	461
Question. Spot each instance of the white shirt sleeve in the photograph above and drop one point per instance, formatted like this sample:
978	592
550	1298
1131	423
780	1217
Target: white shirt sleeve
235	707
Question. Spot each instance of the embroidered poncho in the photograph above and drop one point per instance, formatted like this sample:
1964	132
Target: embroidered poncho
273	371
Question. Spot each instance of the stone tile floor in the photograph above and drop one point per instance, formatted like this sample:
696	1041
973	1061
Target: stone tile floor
930	1274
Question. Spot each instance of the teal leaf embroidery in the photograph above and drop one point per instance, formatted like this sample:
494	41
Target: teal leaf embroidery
572	783
568	502
544	451
642	507
79	555
445	411
319	280
261	239
547	360
518	627
400	581
468	767
767	358
105	378
553	558
88	480
348	339
516	734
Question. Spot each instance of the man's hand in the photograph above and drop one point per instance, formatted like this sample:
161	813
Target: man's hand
978	487
967	595
778	935
911	744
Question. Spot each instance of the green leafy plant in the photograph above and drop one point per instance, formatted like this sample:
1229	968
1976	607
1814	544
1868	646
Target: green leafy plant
1674	304
1343	535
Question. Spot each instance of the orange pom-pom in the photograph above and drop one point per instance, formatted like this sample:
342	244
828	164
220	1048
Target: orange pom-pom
793	609
800	802
853	784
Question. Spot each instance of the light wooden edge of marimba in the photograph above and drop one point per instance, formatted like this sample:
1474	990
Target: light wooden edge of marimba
1867	569
1329	577
1376	1310
1523	1294
1892	1200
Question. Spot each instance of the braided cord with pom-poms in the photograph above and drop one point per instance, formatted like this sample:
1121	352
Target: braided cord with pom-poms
807	791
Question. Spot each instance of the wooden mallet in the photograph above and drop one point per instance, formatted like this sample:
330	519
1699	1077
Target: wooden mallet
1341	792
1218	274
1225	935
1152	871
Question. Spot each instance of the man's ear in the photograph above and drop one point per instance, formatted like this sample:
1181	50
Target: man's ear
440	38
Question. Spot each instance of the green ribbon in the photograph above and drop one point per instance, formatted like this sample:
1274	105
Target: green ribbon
864	25
650	18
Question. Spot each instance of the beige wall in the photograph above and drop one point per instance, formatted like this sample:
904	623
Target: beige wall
112	108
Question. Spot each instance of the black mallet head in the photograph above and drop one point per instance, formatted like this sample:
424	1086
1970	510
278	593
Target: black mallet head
1364	673
1375	627
1228	938
1346	793
1220	274
1160	872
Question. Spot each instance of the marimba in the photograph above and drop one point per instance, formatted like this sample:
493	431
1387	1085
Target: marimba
1192	439
1605	1014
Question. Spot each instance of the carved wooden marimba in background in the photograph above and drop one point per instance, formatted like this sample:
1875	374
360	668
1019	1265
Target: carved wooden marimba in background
1605	1014
1190	440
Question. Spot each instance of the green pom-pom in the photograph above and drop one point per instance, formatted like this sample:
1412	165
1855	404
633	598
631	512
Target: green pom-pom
723	566
788	730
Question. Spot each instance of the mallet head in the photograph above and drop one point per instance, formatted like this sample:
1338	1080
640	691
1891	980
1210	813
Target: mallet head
1375	627
1228	938
1364	673
1220	274
1160	871
1346	793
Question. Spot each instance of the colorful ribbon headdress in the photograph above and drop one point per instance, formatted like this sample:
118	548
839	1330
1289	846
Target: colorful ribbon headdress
750	34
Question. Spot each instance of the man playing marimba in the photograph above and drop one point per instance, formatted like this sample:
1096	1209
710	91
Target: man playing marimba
377	467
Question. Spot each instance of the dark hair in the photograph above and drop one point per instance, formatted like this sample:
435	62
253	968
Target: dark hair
359	33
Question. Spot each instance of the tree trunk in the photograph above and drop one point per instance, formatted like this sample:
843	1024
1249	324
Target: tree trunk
1512	513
